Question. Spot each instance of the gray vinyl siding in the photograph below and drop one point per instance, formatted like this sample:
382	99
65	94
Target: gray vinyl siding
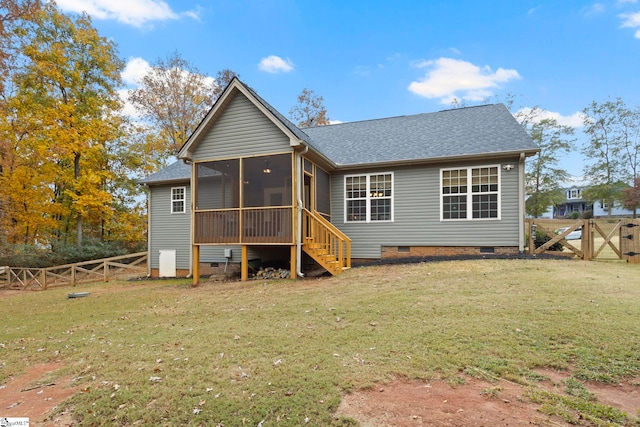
172	231
416	209
167	230
241	130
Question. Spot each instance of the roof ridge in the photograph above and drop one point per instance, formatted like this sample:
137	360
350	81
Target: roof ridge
426	113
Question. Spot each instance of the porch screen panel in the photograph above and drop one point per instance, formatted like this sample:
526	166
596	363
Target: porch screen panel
323	196
267	181
217	185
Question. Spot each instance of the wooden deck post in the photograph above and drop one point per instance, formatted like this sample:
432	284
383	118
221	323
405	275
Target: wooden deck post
244	275
196	265
293	274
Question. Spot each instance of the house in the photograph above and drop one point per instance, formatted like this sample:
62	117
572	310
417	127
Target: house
251	185
576	204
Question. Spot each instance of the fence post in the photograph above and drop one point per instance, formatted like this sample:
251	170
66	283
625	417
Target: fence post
531	223
106	271
73	275
587	240
43	278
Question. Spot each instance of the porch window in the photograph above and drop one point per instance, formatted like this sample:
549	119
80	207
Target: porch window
369	198
470	193
178	199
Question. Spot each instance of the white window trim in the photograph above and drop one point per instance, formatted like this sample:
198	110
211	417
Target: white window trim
368	197
470	194
577	196
184	200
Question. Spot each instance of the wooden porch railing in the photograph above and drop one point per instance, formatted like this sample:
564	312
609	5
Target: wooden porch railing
102	270
325	243
257	225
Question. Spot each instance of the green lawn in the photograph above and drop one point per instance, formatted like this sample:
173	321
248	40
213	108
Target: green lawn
164	353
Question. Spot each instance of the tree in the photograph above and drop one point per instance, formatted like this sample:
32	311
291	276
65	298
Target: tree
66	103
174	97
543	175
630	141
609	149
223	78
13	14
310	110
631	197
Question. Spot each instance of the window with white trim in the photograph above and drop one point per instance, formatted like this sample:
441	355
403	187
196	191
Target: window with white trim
178	199
369	197
574	193
470	193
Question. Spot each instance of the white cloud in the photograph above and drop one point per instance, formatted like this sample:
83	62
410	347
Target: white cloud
575	120
127	109
594	9
632	20
448	78
135	69
137	13
275	64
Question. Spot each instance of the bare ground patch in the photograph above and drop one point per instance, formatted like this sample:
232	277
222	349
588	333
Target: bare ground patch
475	403
35	394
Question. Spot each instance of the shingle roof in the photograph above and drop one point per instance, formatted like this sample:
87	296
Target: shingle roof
488	129
176	172
457	133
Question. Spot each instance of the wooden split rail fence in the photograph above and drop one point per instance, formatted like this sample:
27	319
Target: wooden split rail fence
101	270
600	238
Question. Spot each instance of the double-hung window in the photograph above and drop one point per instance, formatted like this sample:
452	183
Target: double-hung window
369	197
178	199
470	193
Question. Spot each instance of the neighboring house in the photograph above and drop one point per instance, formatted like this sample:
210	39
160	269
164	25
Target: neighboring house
576	202
255	186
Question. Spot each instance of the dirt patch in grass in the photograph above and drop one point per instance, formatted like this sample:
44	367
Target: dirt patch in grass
35	394
474	403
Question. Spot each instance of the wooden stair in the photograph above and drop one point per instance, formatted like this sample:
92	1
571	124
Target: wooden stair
325	243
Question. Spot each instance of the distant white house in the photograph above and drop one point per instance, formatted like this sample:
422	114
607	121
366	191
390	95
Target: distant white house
575	202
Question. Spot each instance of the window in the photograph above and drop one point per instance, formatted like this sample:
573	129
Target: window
470	193
574	193
604	205
369	197
178	195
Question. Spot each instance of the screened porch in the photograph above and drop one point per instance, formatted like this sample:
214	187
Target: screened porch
244	201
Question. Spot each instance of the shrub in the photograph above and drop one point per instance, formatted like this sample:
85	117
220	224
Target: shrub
587	214
541	238
37	256
575	215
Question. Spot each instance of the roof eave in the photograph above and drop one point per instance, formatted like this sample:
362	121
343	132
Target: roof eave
439	160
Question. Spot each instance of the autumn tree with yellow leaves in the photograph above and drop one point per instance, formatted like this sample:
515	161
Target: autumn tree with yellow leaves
68	158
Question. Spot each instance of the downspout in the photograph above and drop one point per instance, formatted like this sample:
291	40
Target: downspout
191	215
299	184
521	206
149	234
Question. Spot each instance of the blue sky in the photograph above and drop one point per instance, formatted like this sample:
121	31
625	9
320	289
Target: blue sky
372	59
